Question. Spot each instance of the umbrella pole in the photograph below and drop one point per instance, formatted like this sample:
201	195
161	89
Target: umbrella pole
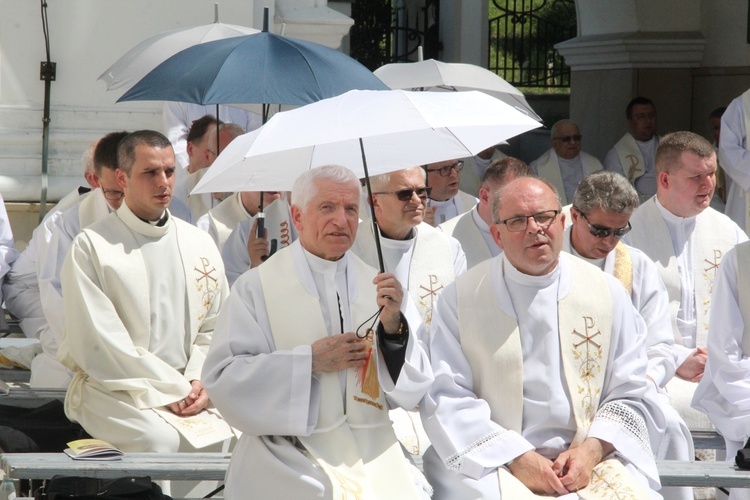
375	229
264	115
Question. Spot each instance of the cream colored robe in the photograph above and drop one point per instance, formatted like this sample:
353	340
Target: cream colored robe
109	341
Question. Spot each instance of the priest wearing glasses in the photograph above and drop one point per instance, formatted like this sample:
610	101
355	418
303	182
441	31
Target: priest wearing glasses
602	206
446	200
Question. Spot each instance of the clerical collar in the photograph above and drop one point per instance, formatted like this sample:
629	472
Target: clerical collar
410	236
483	226
646	143
514	275
324	266
572	161
159	222
438	204
671	218
142	226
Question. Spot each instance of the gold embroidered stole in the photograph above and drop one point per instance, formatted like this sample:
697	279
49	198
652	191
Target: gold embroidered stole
743	292
631	158
465	230
495	354
430	269
623	269
279	223
353	441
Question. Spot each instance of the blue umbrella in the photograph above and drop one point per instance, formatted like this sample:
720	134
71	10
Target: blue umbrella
261	68
254	69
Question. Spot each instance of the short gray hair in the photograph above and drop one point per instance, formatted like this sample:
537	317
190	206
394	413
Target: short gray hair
306	185
497	197
558	124
381	181
609	191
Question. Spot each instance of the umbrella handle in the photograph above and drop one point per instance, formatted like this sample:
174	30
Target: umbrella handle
261	218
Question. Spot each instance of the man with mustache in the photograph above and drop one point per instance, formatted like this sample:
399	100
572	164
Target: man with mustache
141	291
540	383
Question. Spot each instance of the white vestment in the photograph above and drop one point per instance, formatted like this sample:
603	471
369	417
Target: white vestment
281	234
46	370
724	392
474	235
564	174
8	252
424	264
687	253
245	369
469	444
21	286
222	219
641	280
200	203
446	210
140	302
179	117
636	161
734	158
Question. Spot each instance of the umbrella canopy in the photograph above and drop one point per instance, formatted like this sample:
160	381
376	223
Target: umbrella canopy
259	68
440	76
144	57
379	131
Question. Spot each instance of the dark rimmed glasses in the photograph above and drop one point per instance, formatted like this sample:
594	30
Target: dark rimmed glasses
603	232
406	194
112	194
519	223
446	170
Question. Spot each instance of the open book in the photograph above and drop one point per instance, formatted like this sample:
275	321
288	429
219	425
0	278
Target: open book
92	449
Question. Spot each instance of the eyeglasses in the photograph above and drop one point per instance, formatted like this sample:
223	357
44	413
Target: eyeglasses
406	194
446	170
603	232
519	223
112	194
570	138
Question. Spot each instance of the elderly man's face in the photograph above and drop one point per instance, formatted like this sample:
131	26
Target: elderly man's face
397	217
148	188
687	191
328	224
535	249
444	187
589	245
567	141
642	122
107	180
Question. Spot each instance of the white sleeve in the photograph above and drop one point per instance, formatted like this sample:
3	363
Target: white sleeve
733	154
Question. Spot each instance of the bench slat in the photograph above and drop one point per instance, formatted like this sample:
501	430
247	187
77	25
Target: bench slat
176	466
725	474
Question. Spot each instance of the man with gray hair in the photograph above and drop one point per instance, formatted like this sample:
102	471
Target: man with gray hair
687	240
564	165
419	255
472	229
296	343
602	206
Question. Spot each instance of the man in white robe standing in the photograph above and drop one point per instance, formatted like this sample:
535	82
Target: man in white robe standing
734	158
446	200
723	391
421	257
602	206
141	291
564	165
687	239
540	370
634	154
289	347
472	229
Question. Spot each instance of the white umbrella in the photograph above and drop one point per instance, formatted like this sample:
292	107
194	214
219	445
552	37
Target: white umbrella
382	131
435	75
368	131
147	55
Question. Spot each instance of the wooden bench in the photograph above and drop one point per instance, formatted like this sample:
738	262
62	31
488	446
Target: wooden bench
709	474
174	466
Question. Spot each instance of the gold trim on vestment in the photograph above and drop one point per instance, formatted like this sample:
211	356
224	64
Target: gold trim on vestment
624	267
